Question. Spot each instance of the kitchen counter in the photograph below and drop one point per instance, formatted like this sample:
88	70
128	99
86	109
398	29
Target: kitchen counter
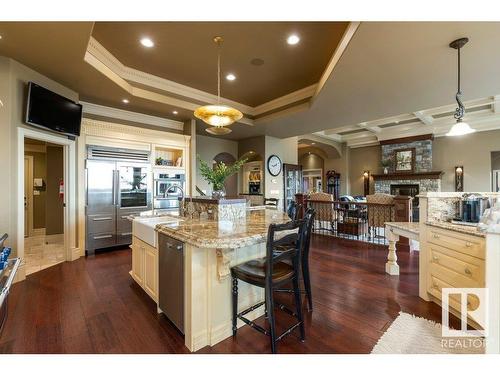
204	233
465	229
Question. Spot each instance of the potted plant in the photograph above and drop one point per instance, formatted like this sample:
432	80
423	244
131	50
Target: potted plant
217	174
386	163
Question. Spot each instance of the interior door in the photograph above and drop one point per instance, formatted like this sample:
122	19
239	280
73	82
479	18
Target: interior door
292	175
100	187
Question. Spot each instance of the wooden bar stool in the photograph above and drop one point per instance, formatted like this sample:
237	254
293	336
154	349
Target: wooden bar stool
270	273
304	261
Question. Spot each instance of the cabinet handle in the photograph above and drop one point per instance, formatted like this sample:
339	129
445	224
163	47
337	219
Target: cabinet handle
435	235
468	244
102	218
126	234
435	257
468	271
102	237
125	217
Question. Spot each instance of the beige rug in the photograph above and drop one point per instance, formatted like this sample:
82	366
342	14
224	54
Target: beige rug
409	334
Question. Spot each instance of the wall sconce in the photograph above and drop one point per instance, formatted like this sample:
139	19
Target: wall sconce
366	182
459	178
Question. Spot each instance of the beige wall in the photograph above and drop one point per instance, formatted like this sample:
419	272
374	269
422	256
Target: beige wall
13	83
360	160
473	151
208	148
286	149
54	215
39	171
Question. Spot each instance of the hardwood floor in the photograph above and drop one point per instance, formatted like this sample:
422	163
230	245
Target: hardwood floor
92	306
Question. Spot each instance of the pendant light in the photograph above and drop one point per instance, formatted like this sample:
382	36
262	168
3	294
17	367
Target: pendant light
461	127
217	115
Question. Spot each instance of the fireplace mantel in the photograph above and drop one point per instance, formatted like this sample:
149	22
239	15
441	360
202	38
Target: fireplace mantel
409	176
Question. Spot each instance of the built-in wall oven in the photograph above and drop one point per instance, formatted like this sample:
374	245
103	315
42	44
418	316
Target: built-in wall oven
117	185
168	188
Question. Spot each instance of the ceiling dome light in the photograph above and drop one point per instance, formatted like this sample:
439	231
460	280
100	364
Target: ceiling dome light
230	77
146	42
460	128
293	39
126	101
218	115
175	112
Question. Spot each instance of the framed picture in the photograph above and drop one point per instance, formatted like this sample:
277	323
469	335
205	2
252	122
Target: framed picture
404	160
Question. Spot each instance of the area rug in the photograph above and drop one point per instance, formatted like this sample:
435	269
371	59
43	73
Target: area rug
410	334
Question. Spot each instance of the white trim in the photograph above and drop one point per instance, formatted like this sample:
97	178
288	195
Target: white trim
70	212
337	54
120	114
29	196
101	59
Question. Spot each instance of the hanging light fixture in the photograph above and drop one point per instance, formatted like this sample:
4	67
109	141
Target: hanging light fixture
461	127
217	115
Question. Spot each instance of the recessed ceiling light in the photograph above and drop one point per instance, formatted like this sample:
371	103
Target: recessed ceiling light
313	143
125	101
146	42
0	37
175	112
293	39
230	77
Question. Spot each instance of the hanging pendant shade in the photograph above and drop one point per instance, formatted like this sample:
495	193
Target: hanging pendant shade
218	115
461	127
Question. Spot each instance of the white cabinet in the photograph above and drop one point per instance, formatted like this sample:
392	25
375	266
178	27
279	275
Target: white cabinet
145	267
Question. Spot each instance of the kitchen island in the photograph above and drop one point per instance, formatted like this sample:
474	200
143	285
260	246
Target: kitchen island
210	248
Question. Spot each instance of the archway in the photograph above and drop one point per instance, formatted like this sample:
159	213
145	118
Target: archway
232	182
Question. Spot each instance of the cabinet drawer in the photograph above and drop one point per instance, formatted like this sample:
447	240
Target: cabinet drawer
101	240
124	238
468	267
100	223
123	224
470	245
437	285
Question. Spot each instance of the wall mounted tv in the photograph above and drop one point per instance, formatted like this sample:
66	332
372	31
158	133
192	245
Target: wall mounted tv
46	109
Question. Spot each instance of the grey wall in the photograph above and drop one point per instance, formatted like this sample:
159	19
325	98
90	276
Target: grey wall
423	154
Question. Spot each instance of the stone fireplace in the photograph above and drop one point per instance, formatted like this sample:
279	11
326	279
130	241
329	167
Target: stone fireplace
422	179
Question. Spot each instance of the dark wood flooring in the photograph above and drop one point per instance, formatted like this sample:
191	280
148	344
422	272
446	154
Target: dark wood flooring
93	306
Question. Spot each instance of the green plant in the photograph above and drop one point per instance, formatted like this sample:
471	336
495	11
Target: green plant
218	172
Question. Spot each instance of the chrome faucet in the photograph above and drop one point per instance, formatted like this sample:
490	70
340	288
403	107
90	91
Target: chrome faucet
183	196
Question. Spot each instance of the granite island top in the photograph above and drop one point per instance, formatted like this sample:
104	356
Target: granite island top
465	229
205	233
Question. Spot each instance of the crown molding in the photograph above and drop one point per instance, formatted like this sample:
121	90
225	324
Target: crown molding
101	59
120	114
337	54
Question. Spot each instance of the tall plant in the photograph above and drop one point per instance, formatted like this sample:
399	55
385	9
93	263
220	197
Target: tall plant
217	173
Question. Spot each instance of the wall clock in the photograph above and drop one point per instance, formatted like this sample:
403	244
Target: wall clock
274	165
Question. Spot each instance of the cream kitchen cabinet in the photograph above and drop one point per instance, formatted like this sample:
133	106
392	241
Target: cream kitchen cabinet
145	267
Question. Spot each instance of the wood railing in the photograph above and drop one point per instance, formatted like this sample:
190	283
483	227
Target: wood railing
359	221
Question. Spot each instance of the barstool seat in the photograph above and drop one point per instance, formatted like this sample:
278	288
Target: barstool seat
254	272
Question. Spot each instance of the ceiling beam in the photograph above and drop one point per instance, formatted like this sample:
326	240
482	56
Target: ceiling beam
426	119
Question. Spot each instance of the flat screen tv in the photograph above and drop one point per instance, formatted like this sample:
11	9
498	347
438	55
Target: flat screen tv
46	109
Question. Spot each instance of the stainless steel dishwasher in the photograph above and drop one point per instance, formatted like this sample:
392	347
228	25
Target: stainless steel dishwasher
171	279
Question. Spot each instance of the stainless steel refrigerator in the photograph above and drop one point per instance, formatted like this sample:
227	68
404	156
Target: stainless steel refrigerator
117	185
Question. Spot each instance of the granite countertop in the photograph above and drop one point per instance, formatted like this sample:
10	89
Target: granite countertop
410	227
224	234
465	229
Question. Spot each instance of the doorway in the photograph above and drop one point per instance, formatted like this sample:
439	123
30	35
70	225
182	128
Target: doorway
44	205
231	183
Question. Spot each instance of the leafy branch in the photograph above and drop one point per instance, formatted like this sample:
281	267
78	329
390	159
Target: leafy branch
217	173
